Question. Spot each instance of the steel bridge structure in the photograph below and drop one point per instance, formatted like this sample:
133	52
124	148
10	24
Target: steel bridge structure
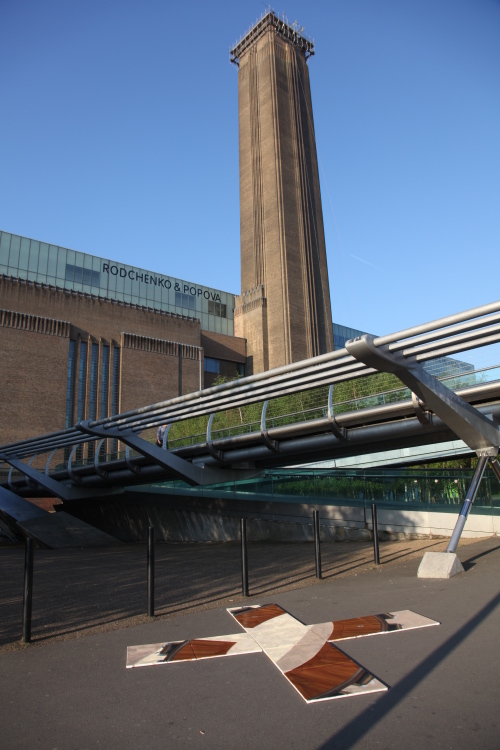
433	413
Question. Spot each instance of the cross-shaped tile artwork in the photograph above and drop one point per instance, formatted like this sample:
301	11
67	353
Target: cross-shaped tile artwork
304	654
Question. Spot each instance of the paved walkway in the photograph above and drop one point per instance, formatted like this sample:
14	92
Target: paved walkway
82	591
70	689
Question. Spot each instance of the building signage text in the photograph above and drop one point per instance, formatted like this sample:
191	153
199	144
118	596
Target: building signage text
165	283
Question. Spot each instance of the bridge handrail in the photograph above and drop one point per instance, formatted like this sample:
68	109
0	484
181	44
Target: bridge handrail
339	407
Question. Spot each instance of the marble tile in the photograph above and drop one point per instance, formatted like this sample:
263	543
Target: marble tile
408	620
304	650
282	630
304	654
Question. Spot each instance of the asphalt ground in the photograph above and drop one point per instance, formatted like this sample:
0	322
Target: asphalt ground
81	591
70	689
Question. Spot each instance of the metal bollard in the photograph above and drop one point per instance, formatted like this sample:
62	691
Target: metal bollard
376	552
244	557
151	572
317	543
28	591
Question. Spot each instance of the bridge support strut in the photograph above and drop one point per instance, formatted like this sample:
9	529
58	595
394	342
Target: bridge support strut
479	432
179	467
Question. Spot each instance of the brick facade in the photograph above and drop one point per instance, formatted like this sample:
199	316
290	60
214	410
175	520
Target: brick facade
159	355
284	309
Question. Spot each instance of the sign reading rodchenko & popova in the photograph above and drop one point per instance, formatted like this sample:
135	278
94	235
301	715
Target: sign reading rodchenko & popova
165	282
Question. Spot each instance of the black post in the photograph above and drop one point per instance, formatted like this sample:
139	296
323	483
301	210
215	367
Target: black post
317	543
151	572
28	591
244	557
376	553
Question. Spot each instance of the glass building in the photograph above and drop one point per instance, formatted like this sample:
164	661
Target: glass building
341	334
68	269
440	367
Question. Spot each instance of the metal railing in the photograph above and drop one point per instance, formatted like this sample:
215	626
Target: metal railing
454	382
455	333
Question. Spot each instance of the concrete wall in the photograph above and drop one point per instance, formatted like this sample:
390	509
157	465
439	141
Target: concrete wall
188	519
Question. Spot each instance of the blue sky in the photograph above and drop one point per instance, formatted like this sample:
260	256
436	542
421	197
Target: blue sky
119	137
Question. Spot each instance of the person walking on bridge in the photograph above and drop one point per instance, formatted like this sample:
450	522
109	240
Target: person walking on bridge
161	434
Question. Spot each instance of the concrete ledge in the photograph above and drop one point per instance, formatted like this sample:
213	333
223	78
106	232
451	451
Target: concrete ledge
439	565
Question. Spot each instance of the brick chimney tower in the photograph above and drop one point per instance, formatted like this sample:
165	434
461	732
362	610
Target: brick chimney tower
284	308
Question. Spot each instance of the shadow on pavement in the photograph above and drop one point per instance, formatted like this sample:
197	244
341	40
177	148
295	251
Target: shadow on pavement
349	735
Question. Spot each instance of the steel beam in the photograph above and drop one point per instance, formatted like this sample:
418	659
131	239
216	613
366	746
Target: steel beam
496	467
218	455
55	488
179	467
15	508
475	429
469	499
273	445
338	431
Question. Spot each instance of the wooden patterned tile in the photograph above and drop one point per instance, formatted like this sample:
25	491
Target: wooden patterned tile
250	617
204	648
177	652
357	627
200	648
305	654
331	674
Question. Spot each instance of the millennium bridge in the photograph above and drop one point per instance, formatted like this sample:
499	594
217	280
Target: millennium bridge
425	411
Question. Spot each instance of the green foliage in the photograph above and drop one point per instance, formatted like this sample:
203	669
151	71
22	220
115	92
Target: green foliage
295	407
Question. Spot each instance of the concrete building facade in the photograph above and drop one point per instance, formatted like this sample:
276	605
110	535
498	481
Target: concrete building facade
284	309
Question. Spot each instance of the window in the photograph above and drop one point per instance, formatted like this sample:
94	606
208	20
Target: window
15	245
33	258
82	387
82	275
93	382
70	384
82	382
4	249
338	341
187	301
223	367
211	365
94	362
216	308
115	394
104	381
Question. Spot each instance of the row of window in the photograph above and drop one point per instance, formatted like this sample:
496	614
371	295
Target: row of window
78	385
51	264
217	308
188	302
222	367
79	275
339	341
